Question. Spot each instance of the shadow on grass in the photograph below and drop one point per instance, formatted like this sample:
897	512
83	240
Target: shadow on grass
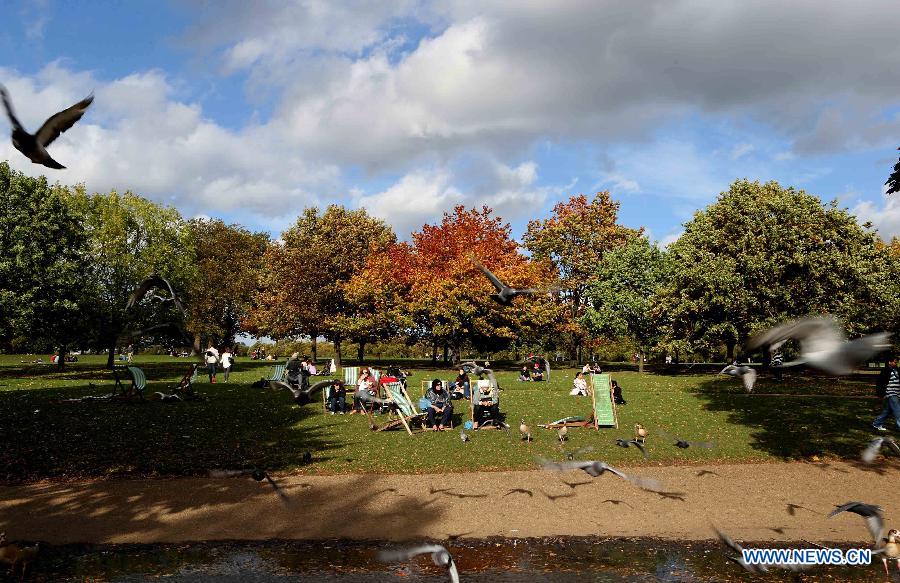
793	427
234	426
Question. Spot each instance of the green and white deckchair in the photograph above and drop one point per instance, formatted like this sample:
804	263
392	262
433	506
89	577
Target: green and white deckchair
351	375
604	408
277	373
138	383
403	412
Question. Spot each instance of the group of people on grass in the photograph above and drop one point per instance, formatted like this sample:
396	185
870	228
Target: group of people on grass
533	373
580	388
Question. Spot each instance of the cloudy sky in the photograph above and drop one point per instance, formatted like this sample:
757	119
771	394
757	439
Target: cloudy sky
252	110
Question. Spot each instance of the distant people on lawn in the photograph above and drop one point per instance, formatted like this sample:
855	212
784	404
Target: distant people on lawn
227	360
586	369
212	358
888	387
537	374
440	409
129	353
525	374
579	385
617	394
462	385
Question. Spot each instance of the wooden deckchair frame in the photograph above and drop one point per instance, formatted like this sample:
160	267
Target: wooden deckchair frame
403	412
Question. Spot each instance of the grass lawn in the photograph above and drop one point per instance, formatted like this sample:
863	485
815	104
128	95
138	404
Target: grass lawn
238	426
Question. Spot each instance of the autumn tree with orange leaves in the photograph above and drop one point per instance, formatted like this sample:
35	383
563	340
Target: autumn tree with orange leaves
575	240
448	301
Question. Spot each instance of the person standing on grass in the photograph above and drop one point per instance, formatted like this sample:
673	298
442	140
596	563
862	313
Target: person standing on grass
212	357
888	387
227	361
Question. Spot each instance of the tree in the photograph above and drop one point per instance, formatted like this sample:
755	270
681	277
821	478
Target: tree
228	263
762	254
576	239
43	262
129	238
303	290
893	181
620	298
449	298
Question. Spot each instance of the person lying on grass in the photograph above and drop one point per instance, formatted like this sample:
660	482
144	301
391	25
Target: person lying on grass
440	409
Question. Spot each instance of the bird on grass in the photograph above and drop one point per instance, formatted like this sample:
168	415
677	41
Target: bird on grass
439	555
34	146
640	432
872	514
598	468
562	433
525	431
463	436
505	294
626	444
747	374
823	344
871	452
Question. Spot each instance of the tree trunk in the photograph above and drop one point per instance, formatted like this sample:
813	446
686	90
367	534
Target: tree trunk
730	356
196	347
111	360
361	350
641	361
337	352
313	346
578	353
434	353
446	349
61	360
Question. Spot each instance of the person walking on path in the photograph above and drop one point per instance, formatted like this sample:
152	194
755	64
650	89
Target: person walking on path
888	387
212	357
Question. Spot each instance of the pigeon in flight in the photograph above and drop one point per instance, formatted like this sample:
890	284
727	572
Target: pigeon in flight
726	540
34	146
153	282
168	398
747	374
870	512
871	452
440	556
823	344
505	294
596	468
626	444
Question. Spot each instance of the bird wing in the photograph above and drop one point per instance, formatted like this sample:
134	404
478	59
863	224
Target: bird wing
726	540
640	446
875	525
566	465
869	454
10	113
749	379
454	574
814	334
62	121
145	286
400	555
729	370
893	445
487	272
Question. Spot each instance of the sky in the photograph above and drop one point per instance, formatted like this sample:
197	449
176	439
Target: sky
251	111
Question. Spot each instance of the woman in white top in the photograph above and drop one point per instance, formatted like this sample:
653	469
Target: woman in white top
227	360
579	386
586	368
212	357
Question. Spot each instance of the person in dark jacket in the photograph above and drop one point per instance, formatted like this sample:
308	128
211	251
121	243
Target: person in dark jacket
440	409
888	387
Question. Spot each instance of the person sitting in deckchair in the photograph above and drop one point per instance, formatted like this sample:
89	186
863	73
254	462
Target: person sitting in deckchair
485	407
337	398
440	408
617	394
579	386
365	389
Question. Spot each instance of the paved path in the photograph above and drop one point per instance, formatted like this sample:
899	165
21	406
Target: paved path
748	501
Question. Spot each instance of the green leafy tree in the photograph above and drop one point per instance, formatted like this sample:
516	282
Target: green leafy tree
575	239
893	181
129	238
620	297
228	263
762	254
43	264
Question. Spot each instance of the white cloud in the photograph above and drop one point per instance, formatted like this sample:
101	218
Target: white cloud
669	239
885	218
741	150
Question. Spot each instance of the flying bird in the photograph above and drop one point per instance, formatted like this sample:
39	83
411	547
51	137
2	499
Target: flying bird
505	294
626	444
823	344
747	374
872	514
34	146
167	398
726	540
570	455
597	468
684	444
153	282
440	556
871	452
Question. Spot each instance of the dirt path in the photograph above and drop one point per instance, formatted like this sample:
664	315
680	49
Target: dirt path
749	501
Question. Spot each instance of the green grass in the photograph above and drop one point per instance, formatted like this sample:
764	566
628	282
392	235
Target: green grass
238	426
